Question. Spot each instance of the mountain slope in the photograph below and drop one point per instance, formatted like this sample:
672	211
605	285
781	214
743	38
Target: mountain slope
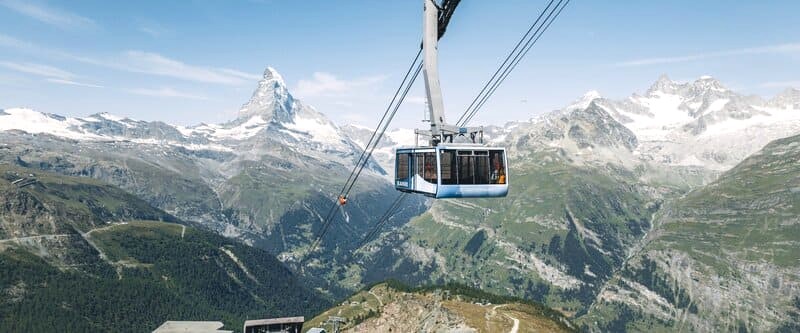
703	123
74	256
267	177
588	184
560	233
723	257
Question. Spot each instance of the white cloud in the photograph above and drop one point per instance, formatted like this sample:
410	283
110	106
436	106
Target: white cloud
248	76
72	83
770	49
153	29
781	84
166	92
37	69
153	32
141	62
49	15
11	42
326	84
156	64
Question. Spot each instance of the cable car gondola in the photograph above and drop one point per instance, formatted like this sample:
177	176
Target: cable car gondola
452	171
444	169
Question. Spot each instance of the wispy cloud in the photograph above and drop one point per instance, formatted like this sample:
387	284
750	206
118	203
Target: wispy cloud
49	15
243	75
153	29
781	84
770	49
37	69
11	42
73	83
156	64
166	92
326	84
140	62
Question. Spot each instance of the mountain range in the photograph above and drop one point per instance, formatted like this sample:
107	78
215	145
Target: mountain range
601	191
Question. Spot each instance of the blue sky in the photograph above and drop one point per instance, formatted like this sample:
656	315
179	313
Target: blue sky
186	62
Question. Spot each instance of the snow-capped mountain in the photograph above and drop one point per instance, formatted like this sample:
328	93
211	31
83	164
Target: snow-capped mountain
698	124
273	109
97	127
702	123
271	116
694	124
274	140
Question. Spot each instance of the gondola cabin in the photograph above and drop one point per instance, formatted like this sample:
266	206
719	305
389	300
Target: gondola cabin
452	171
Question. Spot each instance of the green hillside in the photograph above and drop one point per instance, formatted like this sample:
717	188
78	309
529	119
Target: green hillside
76	256
561	232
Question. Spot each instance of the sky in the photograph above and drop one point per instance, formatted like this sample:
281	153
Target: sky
192	61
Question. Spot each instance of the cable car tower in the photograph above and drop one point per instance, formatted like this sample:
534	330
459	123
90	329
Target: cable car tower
443	168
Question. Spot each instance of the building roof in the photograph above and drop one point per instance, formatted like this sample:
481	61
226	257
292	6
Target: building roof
287	320
191	326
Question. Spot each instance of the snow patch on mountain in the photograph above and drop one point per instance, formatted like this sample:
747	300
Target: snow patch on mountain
319	130
40	123
663	117
585	100
702	123
242	131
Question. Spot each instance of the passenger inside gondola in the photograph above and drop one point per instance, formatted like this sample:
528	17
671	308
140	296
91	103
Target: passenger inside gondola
498	172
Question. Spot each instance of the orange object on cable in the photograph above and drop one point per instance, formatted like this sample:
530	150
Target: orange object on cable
342	200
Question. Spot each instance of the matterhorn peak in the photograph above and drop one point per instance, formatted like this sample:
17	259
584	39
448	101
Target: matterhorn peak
270	100
270	74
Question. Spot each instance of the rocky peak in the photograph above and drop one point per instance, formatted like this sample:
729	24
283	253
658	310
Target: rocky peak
664	84
789	98
708	84
584	101
594	126
271	100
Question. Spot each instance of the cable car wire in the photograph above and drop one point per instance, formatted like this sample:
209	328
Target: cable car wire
510	54
514	65
383	220
469	114
370	141
383	130
519	51
366	153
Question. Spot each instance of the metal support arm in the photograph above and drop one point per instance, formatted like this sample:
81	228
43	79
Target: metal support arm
434	23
